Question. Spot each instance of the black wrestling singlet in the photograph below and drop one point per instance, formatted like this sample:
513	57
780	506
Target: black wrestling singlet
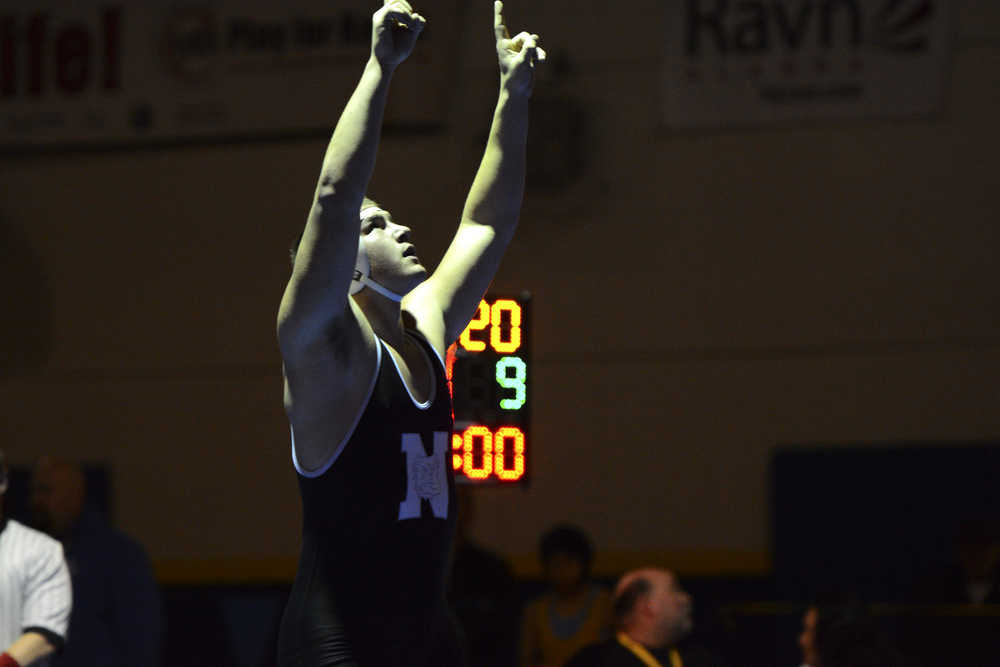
378	520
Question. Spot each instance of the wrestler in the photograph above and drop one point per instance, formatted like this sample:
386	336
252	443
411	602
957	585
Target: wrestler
363	328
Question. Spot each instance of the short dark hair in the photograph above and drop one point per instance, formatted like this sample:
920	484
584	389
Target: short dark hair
565	538
368	202
293	247
625	601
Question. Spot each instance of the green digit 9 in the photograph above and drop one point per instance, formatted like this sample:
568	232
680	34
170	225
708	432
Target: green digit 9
516	383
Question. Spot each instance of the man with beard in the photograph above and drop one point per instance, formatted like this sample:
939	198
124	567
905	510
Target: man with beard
651	614
117	617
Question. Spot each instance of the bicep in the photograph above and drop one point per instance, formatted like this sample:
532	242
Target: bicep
317	291
332	361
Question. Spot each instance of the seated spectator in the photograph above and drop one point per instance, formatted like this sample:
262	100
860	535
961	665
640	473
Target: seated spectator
973	576
117	615
848	637
574	612
652	613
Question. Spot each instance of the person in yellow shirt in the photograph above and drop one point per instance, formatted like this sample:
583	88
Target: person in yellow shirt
574	612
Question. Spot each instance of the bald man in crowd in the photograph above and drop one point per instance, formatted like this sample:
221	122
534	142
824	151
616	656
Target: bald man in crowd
117	618
651	614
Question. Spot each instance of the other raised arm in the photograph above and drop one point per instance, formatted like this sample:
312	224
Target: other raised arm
449	297
316	296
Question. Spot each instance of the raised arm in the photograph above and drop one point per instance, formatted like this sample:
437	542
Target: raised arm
493	204
317	293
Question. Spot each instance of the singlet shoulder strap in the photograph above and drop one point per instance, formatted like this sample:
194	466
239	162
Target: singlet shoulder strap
422	339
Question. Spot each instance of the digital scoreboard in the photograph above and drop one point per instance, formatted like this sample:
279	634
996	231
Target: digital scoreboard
489	375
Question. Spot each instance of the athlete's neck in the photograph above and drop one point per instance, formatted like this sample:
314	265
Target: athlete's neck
384	315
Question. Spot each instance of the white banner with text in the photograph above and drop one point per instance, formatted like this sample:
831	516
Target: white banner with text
95	73
732	63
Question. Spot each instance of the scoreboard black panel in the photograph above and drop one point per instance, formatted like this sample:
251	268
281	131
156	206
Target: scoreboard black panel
489	374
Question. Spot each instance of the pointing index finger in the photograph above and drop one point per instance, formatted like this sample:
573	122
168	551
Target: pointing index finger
499	29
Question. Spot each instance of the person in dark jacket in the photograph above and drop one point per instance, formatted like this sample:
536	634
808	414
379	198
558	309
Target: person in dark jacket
117	617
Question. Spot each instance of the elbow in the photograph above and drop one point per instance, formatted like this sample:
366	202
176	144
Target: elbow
335	192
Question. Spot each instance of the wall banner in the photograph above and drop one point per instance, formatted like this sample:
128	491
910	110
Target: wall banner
96	73
735	63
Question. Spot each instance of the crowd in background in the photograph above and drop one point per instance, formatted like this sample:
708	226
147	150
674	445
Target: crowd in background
569	618
645	616
115	608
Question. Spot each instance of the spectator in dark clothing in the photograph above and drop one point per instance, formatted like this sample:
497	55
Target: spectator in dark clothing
651	615
117	618
847	636
973	576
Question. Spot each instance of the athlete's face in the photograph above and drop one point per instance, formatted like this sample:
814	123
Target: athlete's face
391	254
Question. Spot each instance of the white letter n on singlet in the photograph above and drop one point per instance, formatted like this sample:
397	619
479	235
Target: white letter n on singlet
426	476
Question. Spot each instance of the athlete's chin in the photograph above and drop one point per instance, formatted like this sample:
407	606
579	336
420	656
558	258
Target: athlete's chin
415	276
